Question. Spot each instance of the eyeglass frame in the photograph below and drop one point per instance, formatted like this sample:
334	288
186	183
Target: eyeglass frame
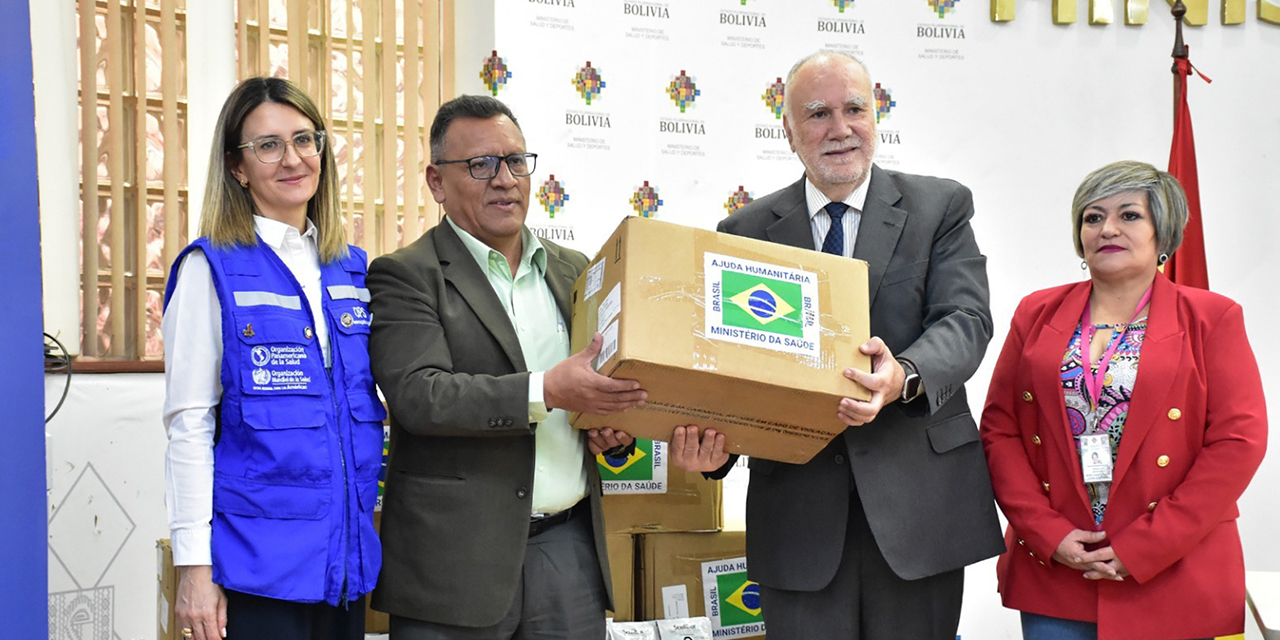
252	144
497	167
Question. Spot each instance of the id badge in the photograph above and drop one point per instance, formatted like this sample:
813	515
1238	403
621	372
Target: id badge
1095	457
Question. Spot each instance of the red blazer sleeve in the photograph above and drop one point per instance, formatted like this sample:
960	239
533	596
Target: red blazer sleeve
1017	487
1234	441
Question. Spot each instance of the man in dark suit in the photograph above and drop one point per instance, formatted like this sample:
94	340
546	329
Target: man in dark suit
869	540
491	524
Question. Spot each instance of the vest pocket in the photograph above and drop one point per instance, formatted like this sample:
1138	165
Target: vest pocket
278	355
367	415
301	498
286	436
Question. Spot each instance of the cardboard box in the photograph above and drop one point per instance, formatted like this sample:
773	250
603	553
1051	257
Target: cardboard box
745	336
679	575
167	591
644	494
622	567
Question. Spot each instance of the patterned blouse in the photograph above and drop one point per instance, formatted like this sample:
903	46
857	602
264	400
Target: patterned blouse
1108	416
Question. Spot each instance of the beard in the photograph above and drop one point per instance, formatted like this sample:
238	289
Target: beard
852	170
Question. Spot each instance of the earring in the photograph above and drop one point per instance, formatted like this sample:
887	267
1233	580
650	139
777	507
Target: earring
244	184
1164	257
1084	266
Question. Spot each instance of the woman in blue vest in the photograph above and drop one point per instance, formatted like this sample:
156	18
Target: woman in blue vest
275	429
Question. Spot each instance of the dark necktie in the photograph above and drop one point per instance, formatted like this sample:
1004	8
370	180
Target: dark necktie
834	242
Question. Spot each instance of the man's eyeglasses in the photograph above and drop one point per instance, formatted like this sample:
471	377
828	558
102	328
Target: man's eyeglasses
486	167
271	150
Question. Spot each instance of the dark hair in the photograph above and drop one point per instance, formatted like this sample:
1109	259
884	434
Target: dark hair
478	107
227	214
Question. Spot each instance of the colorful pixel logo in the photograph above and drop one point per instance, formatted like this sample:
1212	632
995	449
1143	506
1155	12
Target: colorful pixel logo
773	97
495	73
842	4
588	83
552	196
943	7
884	102
742	605
683	91
637	466
645	201
737	200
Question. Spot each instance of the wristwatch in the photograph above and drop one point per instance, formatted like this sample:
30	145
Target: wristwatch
912	387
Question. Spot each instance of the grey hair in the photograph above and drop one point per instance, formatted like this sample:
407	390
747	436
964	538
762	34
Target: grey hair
478	107
1166	200
795	68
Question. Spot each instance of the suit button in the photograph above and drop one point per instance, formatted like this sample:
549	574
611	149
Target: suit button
839	459
1020	542
1046	486
1035	439
522	492
1151	506
1026	395
1175	413
1041	563
1162	461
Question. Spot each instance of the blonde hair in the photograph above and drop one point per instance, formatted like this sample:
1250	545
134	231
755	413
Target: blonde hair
226	217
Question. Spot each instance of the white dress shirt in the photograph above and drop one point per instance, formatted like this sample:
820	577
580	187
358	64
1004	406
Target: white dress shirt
820	220
192	329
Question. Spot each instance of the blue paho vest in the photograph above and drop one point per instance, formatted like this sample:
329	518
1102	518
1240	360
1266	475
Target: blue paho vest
297	460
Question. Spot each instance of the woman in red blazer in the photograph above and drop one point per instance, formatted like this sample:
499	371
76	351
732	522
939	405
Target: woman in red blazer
1120	478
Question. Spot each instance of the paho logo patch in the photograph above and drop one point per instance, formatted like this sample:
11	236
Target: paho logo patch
762	305
732	601
643	471
260	355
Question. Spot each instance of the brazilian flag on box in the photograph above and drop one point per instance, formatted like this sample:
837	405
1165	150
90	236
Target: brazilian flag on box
637	466
739	599
763	304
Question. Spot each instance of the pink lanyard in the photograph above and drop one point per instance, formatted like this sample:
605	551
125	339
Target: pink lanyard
1093	381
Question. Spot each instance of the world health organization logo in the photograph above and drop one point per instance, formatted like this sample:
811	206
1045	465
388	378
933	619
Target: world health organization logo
773	97
884	102
763	304
588	83
842	4
743	601
943	7
552	195
645	201
495	73
683	91
737	200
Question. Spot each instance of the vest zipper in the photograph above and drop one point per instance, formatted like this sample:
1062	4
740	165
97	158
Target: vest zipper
342	457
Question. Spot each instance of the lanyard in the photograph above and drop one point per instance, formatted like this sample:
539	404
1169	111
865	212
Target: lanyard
1093	381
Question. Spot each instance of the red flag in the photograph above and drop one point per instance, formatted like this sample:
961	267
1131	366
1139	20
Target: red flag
1187	265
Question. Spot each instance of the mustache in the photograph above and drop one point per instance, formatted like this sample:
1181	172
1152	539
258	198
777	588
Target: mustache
838	146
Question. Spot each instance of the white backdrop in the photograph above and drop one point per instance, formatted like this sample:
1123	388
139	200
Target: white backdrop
1017	111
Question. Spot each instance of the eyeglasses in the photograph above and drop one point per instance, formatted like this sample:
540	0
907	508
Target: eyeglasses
271	150
486	167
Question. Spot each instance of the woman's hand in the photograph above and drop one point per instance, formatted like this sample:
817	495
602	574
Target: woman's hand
201	606
691	455
1071	552
1115	568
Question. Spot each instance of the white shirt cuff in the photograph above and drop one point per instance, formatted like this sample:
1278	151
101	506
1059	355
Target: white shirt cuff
537	403
191	547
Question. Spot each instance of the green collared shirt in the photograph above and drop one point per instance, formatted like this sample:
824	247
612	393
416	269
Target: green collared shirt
560	476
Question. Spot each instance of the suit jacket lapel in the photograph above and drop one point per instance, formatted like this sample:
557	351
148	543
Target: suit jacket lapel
1158	362
1045	359
792	226
880	228
560	277
461	270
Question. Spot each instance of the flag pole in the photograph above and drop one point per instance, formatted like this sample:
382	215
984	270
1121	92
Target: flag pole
1179	51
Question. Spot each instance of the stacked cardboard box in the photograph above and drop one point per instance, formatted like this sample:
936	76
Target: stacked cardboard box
679	575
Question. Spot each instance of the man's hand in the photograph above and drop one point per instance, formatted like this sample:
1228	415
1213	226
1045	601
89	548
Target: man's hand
574	385
691	455
885	385
200	604
602	440
1071	552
